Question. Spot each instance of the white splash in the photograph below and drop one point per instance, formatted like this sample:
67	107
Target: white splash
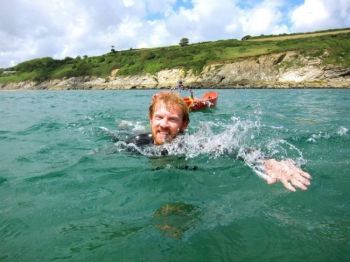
238	138
214	139
133	126
342	131
281	147
318	136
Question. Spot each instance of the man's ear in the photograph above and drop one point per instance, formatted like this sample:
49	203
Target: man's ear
184	126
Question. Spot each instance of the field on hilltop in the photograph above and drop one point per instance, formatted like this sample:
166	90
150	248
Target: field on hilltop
298	35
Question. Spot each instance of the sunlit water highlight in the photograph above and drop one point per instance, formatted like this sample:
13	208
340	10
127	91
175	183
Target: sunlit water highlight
68	192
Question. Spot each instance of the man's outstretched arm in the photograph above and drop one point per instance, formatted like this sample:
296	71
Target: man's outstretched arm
272	170
285	171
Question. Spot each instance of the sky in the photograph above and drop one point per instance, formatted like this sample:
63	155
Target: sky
60	28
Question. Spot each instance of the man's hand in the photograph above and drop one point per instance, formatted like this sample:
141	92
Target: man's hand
288	173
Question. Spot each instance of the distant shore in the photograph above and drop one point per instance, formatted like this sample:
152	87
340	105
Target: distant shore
266	71
308	60
194	88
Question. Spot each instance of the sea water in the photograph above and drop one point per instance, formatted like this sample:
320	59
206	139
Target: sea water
70	191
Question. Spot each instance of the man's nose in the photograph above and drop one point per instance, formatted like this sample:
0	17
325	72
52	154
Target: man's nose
164	122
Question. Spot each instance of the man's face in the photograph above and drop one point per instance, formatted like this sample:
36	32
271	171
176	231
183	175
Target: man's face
166	123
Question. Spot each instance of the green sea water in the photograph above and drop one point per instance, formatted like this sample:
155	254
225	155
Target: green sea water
68	192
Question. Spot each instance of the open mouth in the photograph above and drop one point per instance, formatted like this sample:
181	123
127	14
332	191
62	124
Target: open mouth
164	136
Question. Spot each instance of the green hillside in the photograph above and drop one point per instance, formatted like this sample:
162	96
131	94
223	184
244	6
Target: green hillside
193	56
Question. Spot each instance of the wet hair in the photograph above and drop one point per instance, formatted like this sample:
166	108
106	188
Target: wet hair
170	99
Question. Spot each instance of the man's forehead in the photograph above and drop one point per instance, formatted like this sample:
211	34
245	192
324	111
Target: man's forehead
170	107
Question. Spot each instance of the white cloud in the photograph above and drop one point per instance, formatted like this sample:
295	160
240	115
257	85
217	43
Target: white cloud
59	28
128	3
264	18
207	20
321	14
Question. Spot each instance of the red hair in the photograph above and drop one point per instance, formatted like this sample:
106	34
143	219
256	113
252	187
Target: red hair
170	99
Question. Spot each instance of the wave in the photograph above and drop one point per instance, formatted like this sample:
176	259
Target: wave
2	180
238	138
46	125
339	133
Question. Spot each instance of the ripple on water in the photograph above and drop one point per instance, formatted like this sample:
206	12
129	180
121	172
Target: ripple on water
12	228
48	175
2	180
46	126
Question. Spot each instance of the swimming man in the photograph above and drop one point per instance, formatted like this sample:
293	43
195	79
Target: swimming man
169	117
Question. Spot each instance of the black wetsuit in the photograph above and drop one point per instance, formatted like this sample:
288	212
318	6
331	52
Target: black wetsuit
146	139
141	140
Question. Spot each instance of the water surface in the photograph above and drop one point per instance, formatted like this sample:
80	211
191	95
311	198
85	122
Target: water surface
68	192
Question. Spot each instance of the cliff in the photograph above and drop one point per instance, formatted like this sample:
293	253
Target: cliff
288	69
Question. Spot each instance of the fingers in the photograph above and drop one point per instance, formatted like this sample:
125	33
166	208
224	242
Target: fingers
304	180
304	174
298	184
286	171
296	169
297	176
288	185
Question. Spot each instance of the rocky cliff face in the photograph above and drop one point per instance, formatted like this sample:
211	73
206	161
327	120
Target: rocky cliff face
282	70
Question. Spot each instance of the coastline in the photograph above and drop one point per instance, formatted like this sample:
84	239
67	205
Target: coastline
273	71
194	88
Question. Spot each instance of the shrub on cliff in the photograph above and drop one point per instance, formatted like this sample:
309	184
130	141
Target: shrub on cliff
184	42
246	37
